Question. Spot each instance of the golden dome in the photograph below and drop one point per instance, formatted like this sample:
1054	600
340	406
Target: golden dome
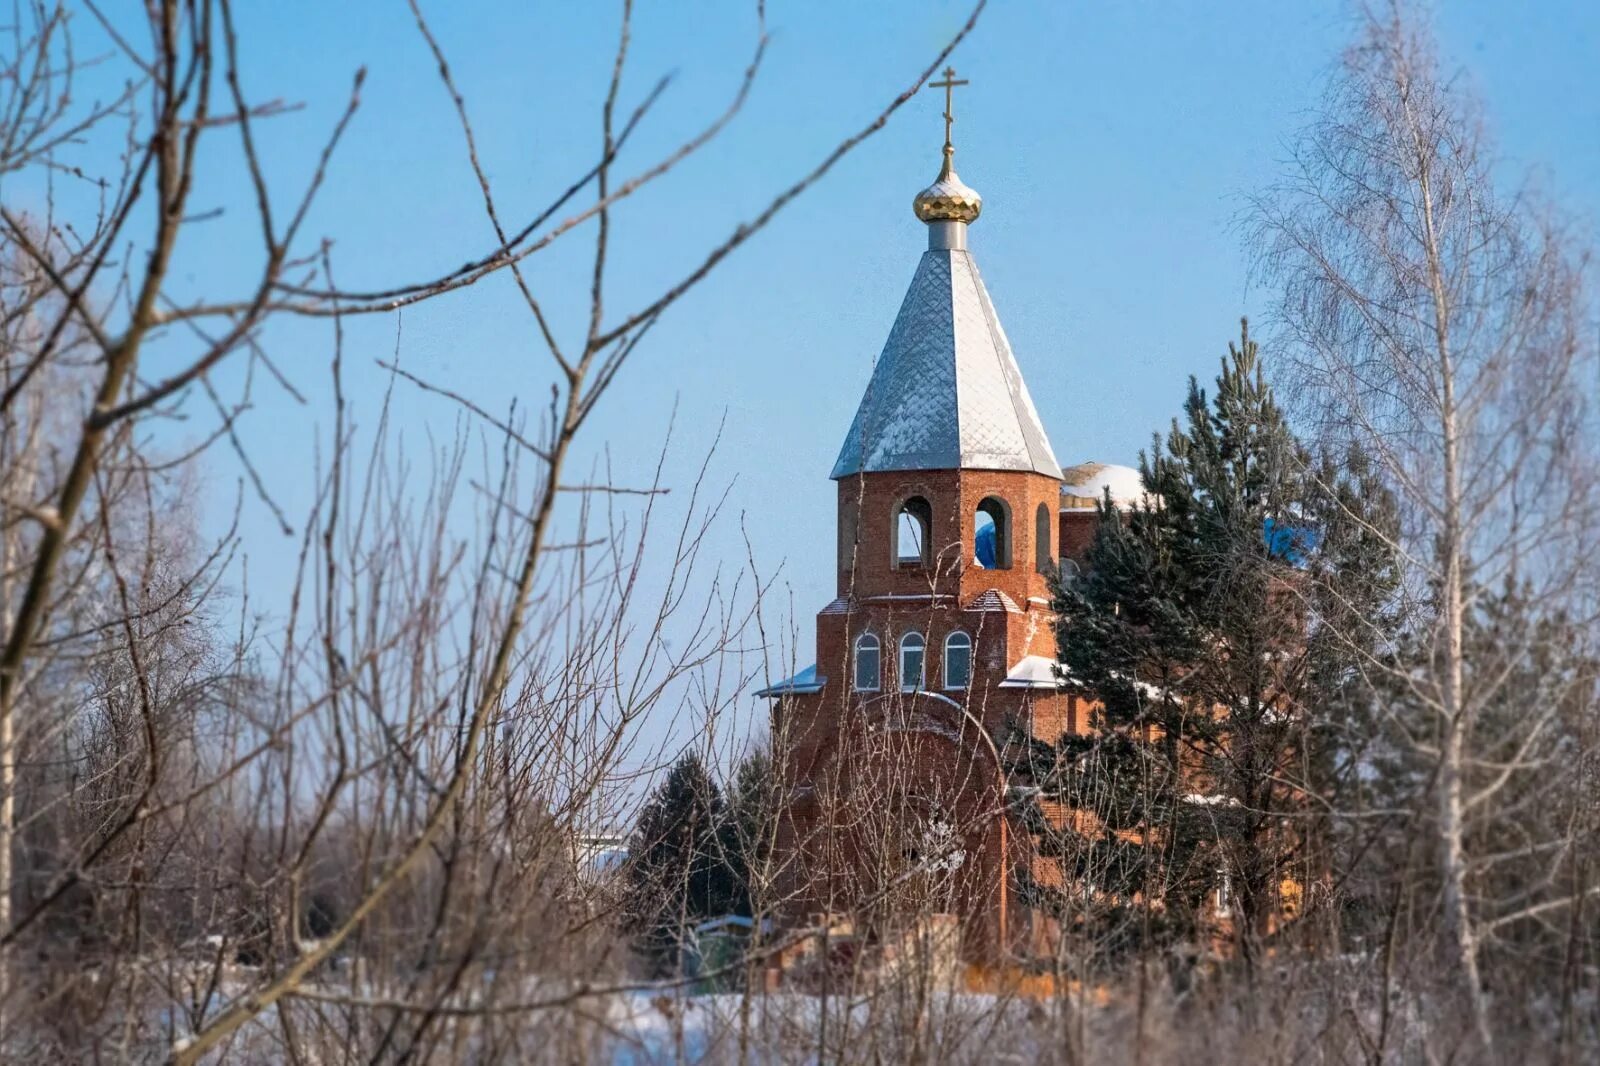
948	199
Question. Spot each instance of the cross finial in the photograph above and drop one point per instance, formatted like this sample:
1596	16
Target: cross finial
948	85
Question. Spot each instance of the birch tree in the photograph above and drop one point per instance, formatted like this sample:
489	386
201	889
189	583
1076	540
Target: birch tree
1441	323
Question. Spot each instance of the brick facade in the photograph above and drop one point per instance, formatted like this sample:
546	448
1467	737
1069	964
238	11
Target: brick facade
866	769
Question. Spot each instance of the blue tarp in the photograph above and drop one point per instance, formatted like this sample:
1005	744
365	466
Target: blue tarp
983	548
1291	543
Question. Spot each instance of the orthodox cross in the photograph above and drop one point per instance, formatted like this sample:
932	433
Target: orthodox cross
948	85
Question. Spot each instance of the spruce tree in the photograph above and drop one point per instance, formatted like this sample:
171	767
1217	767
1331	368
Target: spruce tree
1199	626
682	863
753	819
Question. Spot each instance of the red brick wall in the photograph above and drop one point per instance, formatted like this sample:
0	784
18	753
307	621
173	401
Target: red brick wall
851	760
1077	530
844	748
872	502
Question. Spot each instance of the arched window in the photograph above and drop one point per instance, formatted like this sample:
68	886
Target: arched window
913	650
913	528
1043	557
991	534
957	661
868	659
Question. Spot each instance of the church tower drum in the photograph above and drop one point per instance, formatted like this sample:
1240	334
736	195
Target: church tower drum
940	641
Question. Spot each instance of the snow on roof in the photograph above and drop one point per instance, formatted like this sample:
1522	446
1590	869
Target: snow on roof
946	392
1034	671
606	862
1216	800
992	600
731	921
805	681
1084	485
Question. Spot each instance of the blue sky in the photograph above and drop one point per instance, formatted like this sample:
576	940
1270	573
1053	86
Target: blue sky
1111	142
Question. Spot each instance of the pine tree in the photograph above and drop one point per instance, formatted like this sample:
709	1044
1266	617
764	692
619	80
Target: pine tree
1200	625
683	865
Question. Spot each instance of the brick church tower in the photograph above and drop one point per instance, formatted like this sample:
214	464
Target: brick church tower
940	641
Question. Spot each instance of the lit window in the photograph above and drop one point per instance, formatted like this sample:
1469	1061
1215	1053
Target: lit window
1224	892
912	652
957	661
867	659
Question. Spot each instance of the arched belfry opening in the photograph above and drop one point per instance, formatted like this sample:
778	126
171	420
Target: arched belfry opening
991	534
913	532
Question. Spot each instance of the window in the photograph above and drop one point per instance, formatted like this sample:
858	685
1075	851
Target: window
867	662
991	535
1224	892
957	661
1042	556
913	526
913	649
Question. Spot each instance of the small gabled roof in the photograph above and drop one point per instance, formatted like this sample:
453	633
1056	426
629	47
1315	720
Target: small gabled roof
993	600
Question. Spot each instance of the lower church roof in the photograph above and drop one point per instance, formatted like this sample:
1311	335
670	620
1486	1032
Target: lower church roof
1034	671
806	681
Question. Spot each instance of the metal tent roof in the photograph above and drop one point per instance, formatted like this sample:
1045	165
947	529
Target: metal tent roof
946	393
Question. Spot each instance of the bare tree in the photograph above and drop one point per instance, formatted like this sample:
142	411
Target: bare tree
445	713
1443	326
345	818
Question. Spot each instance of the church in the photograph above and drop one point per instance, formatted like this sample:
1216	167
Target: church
953	516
